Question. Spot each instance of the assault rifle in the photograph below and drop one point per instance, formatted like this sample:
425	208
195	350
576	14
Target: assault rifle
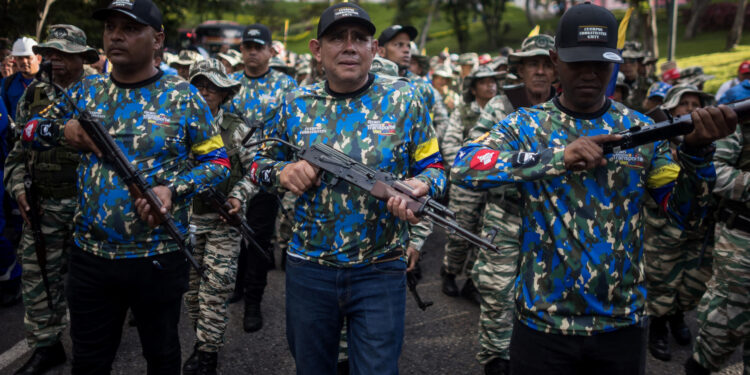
411	282
40	246
218	202
380	184
113	155
672	127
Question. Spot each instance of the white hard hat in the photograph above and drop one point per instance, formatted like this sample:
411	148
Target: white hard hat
22	47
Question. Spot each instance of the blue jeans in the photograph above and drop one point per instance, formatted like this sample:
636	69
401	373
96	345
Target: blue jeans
372	298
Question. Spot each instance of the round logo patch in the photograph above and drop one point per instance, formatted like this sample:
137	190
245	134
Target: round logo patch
611	56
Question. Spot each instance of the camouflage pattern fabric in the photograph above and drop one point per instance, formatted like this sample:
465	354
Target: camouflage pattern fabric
451	99
433	100
53	171
724	310
494	273
284	234
162	127
217	248
581	269
678	263
259	97
638	93
44	327
384	125
459	254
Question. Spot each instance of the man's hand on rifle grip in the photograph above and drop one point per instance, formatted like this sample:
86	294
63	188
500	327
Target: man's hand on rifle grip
79	139
397	206
144	209
299	176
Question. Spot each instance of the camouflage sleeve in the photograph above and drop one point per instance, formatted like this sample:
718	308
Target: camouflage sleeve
426	161
418	234
244	189
731	182
15	170
53	122
498	157
22	114
210	164
682	191
496	110
439	115
453	137
272	157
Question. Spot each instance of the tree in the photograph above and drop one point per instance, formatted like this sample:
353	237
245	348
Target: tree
427	24
733	38
458	13
697	8
492	13
651	40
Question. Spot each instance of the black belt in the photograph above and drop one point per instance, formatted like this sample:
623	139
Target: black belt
735	220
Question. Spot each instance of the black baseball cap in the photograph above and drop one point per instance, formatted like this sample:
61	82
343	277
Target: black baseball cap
394	30
587	32
257	33
344	12
142	11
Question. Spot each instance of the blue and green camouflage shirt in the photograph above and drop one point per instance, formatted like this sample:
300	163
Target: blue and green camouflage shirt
385	126
163	126
259	97
581	269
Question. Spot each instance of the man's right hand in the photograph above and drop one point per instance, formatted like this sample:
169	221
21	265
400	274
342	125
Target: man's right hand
299	176
586	153
78	138
24	207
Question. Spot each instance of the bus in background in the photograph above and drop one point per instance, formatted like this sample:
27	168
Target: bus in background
214	35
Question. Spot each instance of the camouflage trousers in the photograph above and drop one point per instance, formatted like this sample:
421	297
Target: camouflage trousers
284	234
460	254
494	275
217	248
678	267
44	326
724	310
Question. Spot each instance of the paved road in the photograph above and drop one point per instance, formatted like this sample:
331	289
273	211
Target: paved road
441	340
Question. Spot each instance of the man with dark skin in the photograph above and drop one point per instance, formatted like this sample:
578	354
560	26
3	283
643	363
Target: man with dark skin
580	292
121	260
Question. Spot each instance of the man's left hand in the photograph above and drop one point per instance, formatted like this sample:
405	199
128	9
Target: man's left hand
412	257
711	123
145	210
397	206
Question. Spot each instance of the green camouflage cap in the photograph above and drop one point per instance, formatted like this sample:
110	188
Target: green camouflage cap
229	58
215	72
384	67
469	58
187	57
677	91
477	73
694	76
443	71
633	50
278	64
303	67
537	45
68	39
497	62
237	56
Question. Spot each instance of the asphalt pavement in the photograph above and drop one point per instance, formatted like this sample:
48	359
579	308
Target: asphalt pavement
440	340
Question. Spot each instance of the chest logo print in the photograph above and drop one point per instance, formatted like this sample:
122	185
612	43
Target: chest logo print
381	128
153	118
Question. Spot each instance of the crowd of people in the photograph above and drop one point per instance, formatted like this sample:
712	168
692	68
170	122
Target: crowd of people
598	256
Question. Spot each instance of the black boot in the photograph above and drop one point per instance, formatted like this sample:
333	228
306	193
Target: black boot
207	362
497	366
679	329
470	292
235	297
191	365
692	367
43	359
253	320
449	283
658	344
342	367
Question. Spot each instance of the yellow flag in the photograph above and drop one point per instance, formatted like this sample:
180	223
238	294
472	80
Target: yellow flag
623	28
445	50
534	31
286	30
424	51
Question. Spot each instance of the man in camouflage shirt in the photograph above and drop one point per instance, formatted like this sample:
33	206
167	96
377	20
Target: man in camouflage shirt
495	272
580	293
480	87
724	310
53	178
217	244
121	260
261	91
635	77
340	232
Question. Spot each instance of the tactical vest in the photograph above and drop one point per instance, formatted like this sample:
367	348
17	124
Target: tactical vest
54	171
229	124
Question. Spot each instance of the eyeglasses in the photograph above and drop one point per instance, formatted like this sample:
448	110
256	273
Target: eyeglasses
209	87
